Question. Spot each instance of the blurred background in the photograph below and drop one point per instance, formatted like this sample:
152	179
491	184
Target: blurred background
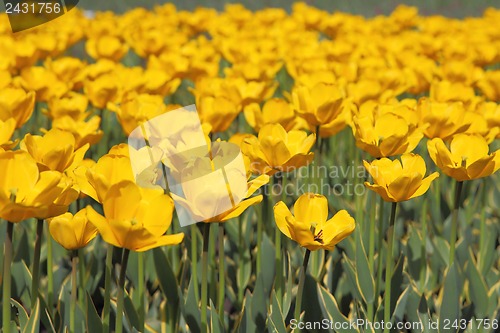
450	8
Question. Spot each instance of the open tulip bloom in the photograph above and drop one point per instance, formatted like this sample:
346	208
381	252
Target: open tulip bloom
309	225
397	181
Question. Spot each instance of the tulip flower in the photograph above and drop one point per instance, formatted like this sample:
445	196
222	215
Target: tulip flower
442	120
277	150
388	133
324	106
25	192
135	218
72	231
68	69
45	83
219	112
107	47
309	224
73	105
397	181
54	151
85	132
274	111
466	159
102	90
16	103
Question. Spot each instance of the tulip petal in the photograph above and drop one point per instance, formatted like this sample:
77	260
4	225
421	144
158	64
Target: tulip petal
162	241
424	186
281	212
240	208
311	209
403	187
103	226
382	191
337	228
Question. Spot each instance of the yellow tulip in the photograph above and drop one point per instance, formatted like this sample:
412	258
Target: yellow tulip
219	112
102	90
108	47
85	132
309	224
68	69
73	105
387	133
110	169
466	159
397	181
55	150
72	231
277	150
135	218
490	85
16	103
45	83
25	192
274	111
442	120
322	105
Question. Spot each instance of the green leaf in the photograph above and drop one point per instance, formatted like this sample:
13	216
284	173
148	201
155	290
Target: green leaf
166	277
215	323
275	321
259	304
450	298
22	315
33	325
364	277
478	291
330	310
424	316
191	311
246	323
130	312
93	321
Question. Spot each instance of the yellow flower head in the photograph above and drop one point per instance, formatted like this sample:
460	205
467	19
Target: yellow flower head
73	105
55	150
397	181
7	129
135	218
309	225
72	231
388	133
16	103
274	111
25	192
277	150
466	159
107	47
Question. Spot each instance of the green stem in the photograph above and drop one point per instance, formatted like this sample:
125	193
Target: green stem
300	288
81	273
222	275
121	292
389	267
72	311
194	261
259	236
50	272
423	251
140	287
371	247
107	289
204	276
7	277
381	220
454	222
240	250
482	228
36	263
278	252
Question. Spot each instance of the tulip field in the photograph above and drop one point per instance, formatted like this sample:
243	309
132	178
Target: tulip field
236	170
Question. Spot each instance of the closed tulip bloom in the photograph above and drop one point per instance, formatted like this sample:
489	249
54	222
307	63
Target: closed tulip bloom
135	218
309	224
397	181
110	169
72	231
466	159
277	150
24	191
16	103
219	112
54	151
